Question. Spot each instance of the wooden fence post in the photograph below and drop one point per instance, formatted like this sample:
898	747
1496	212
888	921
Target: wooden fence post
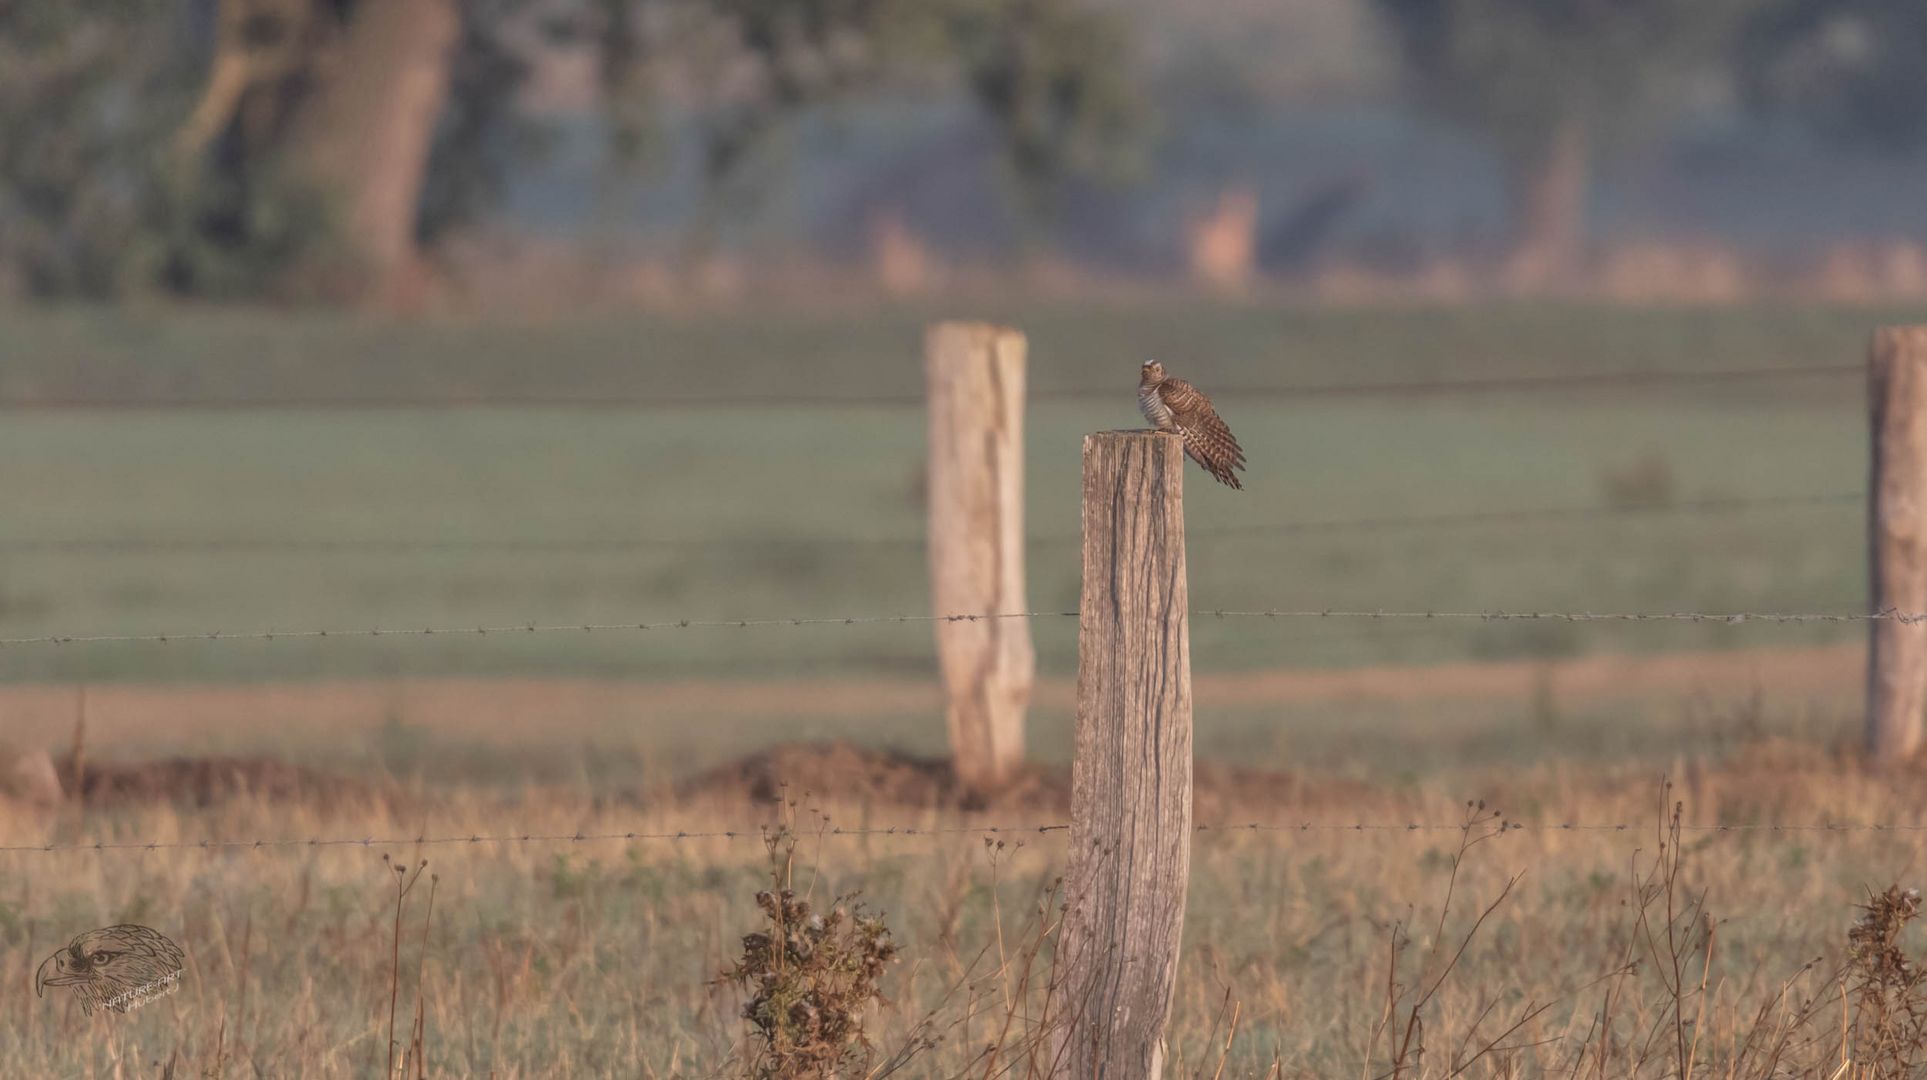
1897	541
975	378
1130	851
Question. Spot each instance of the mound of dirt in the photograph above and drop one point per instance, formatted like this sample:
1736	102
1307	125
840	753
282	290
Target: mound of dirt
205	781
1224	794
841	773
846	773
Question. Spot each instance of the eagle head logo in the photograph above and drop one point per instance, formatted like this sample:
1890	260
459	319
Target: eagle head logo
115	967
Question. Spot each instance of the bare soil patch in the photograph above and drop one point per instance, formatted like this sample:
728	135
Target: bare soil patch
513	712
1763	782
205	781
842	774
850	774
890	782
506	711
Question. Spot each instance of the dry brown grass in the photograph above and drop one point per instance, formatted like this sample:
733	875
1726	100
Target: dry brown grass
1472	950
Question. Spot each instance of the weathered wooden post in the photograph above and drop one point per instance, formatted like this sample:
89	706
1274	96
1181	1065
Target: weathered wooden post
1130	854
975	378
1897	541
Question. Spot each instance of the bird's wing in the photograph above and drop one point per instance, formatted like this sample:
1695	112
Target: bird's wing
1206	437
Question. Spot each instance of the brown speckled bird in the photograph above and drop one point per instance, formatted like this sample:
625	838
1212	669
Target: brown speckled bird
115	966
1176	406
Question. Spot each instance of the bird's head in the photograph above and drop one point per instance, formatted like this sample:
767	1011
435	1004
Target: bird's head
109	965
1153	374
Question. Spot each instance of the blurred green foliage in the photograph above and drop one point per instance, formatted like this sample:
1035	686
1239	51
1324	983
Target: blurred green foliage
1514	70
1852	69
95	200
1058	80
127	163
482	132
89	90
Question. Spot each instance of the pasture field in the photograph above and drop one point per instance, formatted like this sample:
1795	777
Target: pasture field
598	957
100	354
392	517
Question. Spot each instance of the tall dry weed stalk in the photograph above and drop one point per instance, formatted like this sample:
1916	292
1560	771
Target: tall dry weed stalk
405	881
1409	994
1660	1012
417	1052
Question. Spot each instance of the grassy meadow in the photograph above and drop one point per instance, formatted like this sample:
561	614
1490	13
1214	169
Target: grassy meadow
398	517
597	957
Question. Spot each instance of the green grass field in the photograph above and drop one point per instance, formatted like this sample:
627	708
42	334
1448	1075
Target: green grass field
770	511
80	353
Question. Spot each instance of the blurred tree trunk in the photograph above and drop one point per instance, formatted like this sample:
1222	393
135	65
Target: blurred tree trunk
1550	192
344	96
363	133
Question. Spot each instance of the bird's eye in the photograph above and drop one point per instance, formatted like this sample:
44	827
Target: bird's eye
103	957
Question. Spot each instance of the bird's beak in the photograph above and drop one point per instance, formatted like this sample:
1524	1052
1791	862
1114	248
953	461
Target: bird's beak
60	976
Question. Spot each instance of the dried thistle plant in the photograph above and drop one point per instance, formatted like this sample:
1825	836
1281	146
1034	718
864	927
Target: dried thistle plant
811	977
1887	988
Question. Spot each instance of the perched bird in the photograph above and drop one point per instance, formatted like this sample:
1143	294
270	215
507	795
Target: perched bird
115	966
1176	406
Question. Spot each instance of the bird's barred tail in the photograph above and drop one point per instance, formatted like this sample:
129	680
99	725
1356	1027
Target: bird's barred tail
1217	454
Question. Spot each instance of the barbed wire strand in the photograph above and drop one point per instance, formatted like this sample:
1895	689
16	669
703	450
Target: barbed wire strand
1730	617
1391	388
1890	615
528	628
1536	513
424	840
516	838
1523	382
232	545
